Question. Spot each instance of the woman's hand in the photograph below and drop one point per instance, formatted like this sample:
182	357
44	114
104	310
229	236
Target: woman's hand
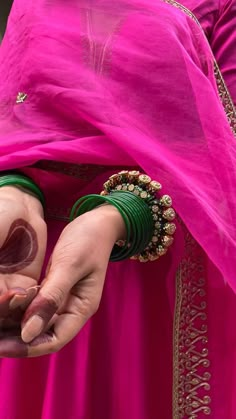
23	237
72	290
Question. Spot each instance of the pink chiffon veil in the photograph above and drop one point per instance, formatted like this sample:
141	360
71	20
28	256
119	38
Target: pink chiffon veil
123	83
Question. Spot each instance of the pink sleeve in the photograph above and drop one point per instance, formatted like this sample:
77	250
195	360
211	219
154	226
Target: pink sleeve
223	43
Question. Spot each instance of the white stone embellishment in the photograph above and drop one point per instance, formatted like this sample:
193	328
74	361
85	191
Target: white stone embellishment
21	97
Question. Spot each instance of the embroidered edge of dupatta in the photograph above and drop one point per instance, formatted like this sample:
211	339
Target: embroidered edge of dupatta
191	376
191	364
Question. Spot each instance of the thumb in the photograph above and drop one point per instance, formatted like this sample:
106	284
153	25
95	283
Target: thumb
54	291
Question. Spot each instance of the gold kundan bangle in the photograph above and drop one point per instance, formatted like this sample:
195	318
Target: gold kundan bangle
160	207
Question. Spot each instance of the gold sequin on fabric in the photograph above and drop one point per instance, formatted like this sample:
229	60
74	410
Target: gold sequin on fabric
191	378
21	97
224	94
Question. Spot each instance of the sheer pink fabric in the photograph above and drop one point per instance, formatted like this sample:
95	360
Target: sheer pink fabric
128	83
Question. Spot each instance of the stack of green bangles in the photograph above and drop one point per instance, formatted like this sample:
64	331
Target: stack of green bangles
148	217
136	215
22	181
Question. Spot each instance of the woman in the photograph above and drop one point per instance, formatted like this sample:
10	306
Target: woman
88	89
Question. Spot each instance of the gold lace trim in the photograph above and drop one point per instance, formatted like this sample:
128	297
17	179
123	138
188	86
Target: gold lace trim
226	99
191	376
224	94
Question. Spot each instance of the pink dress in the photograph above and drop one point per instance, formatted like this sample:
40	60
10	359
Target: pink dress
124	84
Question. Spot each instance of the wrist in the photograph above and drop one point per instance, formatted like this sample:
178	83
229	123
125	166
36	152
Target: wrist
113	221
21	196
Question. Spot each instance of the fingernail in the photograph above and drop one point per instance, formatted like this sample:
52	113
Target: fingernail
32	328
16	301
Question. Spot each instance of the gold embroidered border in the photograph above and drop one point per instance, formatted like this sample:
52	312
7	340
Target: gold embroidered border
224	94
191	376
225	97
183	8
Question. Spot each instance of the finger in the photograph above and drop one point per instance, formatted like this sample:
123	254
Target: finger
39	317
70	263
17	301
13	347
55	288
40	314
17	296
51	323
70	321
11	297
31	294
12	306
24	299
65	329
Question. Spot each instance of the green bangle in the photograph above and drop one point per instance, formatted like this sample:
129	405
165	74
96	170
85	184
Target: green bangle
24	182
90	202
135	213
140	217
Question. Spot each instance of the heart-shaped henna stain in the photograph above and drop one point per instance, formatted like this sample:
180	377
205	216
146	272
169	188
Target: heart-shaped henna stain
20	247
